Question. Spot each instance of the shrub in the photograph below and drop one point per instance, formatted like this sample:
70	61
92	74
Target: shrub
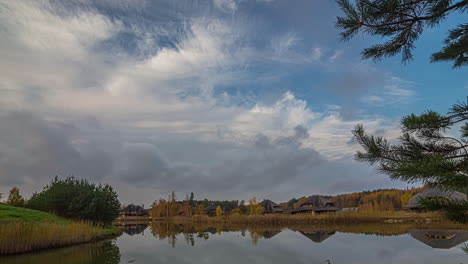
78	199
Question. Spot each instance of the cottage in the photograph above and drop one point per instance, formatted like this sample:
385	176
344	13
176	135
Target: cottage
315	204
210	210
271	207
434	192
133	210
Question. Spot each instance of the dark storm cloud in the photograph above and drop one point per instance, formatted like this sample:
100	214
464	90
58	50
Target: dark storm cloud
35	149
262	163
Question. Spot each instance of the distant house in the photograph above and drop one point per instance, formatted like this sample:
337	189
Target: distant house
271	207
315	204
210	210
134	210
434	192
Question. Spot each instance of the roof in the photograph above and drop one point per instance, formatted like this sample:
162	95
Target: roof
316	203
271	207
316	200
210	208
438	238
434	192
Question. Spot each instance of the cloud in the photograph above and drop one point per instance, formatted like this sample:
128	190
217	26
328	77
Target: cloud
175	95
226	5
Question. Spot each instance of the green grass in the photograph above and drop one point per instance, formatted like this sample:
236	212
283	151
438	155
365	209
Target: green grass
11	213
23	230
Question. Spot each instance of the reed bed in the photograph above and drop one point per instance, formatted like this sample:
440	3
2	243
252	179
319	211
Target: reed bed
351	217
22	236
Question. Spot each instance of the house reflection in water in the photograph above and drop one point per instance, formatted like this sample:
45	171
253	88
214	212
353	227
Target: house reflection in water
134	229
318	236
439	238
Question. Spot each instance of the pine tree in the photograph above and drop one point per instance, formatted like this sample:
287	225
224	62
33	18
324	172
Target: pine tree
402	23
426	154
15	198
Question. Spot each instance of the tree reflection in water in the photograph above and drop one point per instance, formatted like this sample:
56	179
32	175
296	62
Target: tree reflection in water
317	234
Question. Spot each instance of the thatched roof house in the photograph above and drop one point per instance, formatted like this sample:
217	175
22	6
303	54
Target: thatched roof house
316	204
271	207
210	210
134	210
433	192
439	238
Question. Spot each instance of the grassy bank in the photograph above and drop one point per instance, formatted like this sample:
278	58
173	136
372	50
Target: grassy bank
23	230
350	217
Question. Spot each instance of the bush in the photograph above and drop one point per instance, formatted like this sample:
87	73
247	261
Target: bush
78	199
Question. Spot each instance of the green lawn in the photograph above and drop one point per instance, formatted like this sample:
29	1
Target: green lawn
11	213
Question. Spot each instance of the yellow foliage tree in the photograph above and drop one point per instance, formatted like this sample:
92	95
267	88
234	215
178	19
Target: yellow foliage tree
236	211
200	209
405	199
219	211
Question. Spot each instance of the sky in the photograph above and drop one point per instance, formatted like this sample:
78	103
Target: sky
228	99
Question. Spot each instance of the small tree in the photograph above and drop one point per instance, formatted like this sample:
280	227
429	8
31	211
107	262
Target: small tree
405	199
236	211
219	211
15	198
200	209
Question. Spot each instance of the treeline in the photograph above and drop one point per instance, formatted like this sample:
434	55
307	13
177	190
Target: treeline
376	200
190	206
73	199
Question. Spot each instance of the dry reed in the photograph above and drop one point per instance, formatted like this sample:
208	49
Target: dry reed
20	236
330	218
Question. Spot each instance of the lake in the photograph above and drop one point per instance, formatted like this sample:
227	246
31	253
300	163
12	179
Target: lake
164	242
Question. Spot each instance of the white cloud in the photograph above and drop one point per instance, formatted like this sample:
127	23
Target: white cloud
168	93
316	54
226	5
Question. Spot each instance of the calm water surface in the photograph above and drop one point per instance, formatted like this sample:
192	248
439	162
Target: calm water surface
171	243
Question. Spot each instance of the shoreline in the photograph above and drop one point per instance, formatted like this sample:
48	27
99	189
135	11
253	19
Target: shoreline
357	217
24	230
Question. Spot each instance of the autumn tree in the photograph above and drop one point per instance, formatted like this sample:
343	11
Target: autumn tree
405	199
219	211
236	211
200	209
15	198
401	23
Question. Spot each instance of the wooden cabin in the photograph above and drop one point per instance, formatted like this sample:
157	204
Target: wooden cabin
210	210
434	192
271	207
315	204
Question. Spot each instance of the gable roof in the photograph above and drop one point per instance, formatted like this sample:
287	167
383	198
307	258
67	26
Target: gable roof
210	208
271	207
316	203
316	200
435	192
